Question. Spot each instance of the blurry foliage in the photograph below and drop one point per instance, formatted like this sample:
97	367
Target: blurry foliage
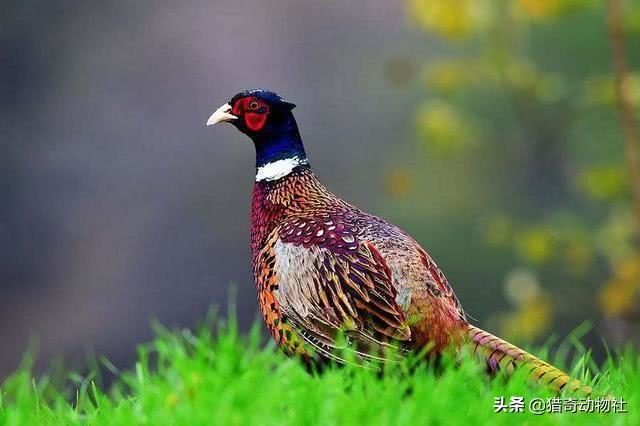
621	294
604	182
532	312
599	90
452	19
443	127
614	238
536	245
526	87
546	9
398	182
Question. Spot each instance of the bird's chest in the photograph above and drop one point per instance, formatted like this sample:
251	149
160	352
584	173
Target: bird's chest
266	213
268	286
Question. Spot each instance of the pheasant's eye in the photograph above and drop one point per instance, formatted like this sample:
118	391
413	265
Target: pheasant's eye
254	105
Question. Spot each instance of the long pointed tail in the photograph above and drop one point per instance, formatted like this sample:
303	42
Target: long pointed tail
502	355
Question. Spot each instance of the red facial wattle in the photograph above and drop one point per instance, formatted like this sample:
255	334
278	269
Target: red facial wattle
254	112
255	121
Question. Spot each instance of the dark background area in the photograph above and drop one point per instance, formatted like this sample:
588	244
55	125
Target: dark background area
119	204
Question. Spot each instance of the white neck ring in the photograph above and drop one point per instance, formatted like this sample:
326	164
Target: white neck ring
279	168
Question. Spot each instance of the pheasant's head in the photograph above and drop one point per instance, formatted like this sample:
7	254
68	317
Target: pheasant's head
253	111
267	119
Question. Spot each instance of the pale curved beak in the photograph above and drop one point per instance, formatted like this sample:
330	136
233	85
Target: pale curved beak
221	114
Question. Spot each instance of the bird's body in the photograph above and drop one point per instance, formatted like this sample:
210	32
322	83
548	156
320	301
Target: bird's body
324	268
321	264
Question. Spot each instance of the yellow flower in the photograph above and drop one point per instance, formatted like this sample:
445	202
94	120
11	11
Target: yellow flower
535	245
442	127
451	19
539	9
615	238
603	183
621	294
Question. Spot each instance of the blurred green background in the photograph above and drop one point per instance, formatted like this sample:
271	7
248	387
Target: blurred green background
491	130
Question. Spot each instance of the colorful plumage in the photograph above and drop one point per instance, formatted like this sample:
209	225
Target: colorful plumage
324	268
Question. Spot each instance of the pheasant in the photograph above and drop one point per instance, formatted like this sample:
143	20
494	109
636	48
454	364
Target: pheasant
324	269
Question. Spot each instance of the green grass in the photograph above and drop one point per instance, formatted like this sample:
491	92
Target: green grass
224	377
